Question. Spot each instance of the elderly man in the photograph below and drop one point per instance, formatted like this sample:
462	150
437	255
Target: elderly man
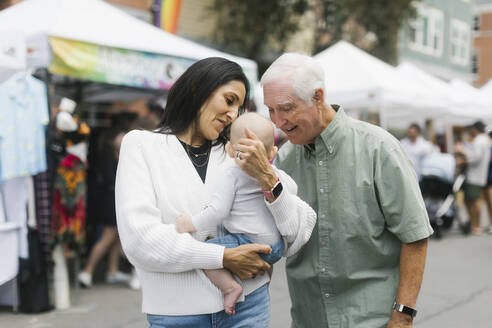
364	262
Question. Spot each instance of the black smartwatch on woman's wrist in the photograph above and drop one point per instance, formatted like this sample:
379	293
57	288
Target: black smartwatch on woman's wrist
275	191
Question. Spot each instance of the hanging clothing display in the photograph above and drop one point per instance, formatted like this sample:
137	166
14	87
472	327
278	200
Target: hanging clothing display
42	193
33	279
23	117
2	207
9	250
69	203
15	200
13	234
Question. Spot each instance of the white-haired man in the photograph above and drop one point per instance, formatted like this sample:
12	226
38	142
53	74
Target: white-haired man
364	262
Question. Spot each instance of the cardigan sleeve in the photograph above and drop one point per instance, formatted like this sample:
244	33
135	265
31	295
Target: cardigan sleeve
294	218
149	243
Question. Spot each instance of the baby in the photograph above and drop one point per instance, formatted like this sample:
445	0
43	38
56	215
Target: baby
239	204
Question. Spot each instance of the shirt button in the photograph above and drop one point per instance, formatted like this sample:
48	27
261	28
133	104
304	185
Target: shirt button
322	216
321	190
320	163
323	269
327	295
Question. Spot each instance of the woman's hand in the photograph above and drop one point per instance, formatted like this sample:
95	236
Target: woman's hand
251	156
245	262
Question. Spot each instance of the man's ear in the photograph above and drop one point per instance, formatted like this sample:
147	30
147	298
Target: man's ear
229	150
318	97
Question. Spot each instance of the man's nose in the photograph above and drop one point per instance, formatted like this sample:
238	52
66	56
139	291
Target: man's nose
277	119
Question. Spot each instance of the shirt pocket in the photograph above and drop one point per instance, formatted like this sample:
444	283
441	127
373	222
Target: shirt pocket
360	214
380	297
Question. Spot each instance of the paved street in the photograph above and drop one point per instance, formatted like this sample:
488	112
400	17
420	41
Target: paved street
456	293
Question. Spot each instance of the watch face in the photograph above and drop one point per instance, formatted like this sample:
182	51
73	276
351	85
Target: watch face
405	309
277	190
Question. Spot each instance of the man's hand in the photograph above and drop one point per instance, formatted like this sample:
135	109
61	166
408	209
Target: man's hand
253	159
400	320
184	224
245	262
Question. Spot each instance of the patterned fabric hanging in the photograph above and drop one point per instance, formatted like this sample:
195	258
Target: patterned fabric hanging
69	205
43	195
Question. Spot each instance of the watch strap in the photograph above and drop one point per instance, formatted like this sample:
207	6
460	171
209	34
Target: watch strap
404	309
275	191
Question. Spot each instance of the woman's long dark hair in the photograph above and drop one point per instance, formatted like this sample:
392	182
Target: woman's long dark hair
193	88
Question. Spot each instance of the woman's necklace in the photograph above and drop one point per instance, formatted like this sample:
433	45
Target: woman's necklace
196	155
198	159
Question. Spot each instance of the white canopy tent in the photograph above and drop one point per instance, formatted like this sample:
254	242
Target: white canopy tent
487	88
472	100
457	111
360	81
85	33
12	53
454	97
486	91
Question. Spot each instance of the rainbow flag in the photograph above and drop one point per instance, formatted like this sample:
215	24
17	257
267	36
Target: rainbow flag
167	14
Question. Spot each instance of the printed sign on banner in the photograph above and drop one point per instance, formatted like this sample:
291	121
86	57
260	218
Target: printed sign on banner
114	65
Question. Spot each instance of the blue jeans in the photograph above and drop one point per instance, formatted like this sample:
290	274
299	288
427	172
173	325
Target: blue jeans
254	312
231	240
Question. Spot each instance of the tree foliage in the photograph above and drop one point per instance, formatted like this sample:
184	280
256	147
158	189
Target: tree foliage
252	28
373	25
258	28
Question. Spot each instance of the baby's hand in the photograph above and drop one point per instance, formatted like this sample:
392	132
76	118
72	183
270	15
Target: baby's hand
184	224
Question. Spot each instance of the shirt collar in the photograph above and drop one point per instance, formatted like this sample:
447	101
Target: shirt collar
333	133
19	88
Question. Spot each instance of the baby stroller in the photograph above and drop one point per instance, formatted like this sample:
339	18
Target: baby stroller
439	184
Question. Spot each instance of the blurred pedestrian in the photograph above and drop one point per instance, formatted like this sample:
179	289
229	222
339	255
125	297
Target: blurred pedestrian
150	116
488	187
109	241
364	263
164	173
416	147
477	153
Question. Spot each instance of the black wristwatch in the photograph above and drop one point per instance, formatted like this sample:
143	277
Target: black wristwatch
275	191
404	309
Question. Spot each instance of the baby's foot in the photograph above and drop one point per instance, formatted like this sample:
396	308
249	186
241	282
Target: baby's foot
231	296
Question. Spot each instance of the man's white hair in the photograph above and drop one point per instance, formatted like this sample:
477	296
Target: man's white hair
305	73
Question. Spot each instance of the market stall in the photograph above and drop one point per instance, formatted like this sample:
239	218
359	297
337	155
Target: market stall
95	53
363	83
92	40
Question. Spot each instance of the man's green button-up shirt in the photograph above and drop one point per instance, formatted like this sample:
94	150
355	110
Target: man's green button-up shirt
366	194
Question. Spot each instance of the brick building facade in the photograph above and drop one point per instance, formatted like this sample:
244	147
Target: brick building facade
482	41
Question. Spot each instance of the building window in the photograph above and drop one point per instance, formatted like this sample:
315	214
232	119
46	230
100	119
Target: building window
476	23
475	63
427	30
460	42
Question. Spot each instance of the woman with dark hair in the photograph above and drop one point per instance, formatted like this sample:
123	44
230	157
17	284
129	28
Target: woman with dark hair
171	171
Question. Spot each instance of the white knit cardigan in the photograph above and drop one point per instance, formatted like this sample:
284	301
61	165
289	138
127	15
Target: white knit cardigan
156	182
